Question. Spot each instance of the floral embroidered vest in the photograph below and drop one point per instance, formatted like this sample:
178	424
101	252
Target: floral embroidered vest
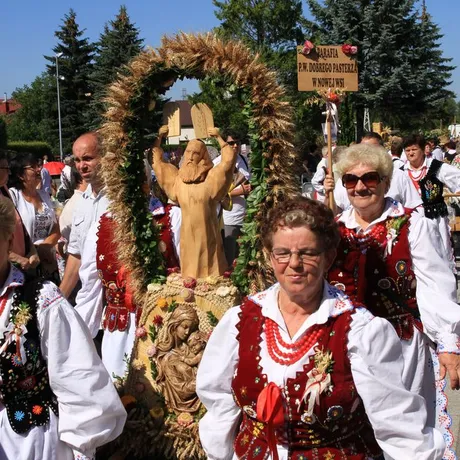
385	283
431	190
166	244
118	299
338	426
25	389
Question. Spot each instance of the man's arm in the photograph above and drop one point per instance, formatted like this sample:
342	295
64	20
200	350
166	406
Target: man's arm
220	177
165	173
70	279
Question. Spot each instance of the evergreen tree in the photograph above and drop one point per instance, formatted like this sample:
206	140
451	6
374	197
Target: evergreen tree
402	73
75	56
117	45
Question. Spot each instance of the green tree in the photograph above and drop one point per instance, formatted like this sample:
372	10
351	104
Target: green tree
117	45
3	135
402	74
273	29
75	56
226	102
36	120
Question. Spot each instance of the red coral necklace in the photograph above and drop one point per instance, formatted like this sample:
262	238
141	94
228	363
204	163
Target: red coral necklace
296	350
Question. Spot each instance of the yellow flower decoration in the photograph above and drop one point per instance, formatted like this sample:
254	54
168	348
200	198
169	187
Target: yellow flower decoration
162	303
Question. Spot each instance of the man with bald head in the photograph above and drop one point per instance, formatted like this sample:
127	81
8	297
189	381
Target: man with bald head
87	151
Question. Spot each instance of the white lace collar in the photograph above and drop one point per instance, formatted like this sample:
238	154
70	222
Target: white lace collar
392	209
334	303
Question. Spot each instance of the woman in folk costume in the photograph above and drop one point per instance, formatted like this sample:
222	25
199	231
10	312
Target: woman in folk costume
392	260
299	372
57	400
429	177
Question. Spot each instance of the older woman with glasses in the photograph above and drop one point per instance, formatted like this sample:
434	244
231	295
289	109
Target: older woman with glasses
298	372
392	260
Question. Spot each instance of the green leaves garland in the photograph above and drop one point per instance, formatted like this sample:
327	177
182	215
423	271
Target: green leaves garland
249	241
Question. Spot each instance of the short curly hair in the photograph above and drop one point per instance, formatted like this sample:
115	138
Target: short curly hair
302	212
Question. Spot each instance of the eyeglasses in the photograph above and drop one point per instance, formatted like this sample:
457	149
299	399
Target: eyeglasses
371	179
232	143
283	256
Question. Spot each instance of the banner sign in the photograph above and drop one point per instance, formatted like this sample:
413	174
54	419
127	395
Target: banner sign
326	67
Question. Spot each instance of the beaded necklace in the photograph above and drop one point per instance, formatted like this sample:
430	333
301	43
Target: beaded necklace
415	178
296	350
376	237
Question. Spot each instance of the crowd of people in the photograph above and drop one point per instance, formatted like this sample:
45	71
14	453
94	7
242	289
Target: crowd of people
340	359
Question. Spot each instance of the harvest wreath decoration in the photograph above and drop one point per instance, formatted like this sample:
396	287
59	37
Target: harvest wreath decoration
130	101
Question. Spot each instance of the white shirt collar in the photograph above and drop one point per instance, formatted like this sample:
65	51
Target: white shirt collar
392	209
426	164
334	303
15	278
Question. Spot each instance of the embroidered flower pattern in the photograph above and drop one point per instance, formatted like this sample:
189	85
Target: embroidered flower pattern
37	410
19	415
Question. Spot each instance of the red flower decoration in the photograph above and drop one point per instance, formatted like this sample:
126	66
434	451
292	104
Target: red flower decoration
228	273
172	270
308	46
349	50
158	320
346	49
190	283
37	410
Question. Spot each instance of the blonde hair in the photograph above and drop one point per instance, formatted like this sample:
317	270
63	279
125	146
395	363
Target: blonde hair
7	218
373	156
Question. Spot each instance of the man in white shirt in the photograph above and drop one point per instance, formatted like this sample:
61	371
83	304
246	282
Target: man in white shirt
233	219
87	151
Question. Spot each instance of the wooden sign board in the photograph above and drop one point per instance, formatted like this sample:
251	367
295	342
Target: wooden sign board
202	120
326	67
171	117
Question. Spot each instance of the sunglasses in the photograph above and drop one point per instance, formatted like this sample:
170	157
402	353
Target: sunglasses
371	179
232	143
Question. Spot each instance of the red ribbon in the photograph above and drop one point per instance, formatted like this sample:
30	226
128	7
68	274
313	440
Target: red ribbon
270	411
123	278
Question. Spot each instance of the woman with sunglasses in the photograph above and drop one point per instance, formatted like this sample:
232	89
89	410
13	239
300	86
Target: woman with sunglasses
290	374
391	259
36	210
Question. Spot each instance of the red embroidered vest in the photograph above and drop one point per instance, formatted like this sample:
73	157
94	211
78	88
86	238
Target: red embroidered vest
166	244
119	303
384	283
339	424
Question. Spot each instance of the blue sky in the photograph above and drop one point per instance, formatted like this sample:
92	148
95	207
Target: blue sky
27	30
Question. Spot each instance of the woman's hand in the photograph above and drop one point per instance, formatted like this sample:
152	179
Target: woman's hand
34	260
450	363
329	184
